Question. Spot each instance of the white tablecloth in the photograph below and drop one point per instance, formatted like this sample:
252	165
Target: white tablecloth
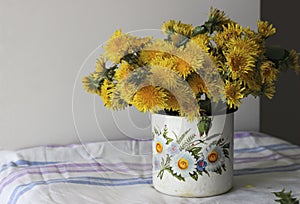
120	172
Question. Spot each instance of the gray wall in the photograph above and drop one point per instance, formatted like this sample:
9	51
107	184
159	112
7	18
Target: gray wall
281	115
45	43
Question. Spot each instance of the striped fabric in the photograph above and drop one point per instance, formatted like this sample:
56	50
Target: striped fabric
120	172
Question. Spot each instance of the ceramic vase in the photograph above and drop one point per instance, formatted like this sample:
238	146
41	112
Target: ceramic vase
192	159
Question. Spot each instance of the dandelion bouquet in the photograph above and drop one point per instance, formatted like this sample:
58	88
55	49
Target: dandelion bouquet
192	71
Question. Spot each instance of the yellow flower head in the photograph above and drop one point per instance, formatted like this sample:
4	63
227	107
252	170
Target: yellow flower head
121	44
91	83
192	54
268	72
146	56
164	77
265	29
202	41
171	26
182	67
233	92
177	64
239	62
171	102
294	56
218	17
248	45
100	65
186	100
167	26
269	90
159	47
106	92
123	71
231	30
197	84
150	98
252	82
123	94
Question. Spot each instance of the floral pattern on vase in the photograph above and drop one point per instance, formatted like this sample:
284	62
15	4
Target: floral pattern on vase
189	155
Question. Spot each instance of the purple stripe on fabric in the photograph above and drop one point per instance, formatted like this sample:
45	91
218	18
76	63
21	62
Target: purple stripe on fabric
268	157
100	167
87	143
238	135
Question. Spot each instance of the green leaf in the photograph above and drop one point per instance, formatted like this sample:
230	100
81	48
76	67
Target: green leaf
196	150
183	136
204	125
169	140
226	153
199	30
227	145
276	53
194	176
285	197
200	172
179	177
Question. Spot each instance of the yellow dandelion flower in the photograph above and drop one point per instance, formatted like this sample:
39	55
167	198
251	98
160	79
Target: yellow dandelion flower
171	102
171	26
121	44
164	77
145	56
202	41
294	56
268	72
239	62
150	98
232	30
117	46
234	93
218	17
123	94
122	71
167	26
269	90
183	28
91	83
182	67
168	62
197	84
106	92
192	54
186	100
252	82
249	46
100	65
265	29
161	47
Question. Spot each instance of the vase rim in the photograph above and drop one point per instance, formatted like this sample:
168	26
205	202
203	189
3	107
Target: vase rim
183	117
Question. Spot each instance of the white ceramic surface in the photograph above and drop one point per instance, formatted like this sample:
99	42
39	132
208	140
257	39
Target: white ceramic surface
194	164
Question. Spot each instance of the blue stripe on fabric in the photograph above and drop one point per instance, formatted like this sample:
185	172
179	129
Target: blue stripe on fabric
21	189
282	146
22	163
247	171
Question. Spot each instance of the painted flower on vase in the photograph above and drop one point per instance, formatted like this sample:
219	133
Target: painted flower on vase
173	148
159	145
214	157
201	165
183	164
